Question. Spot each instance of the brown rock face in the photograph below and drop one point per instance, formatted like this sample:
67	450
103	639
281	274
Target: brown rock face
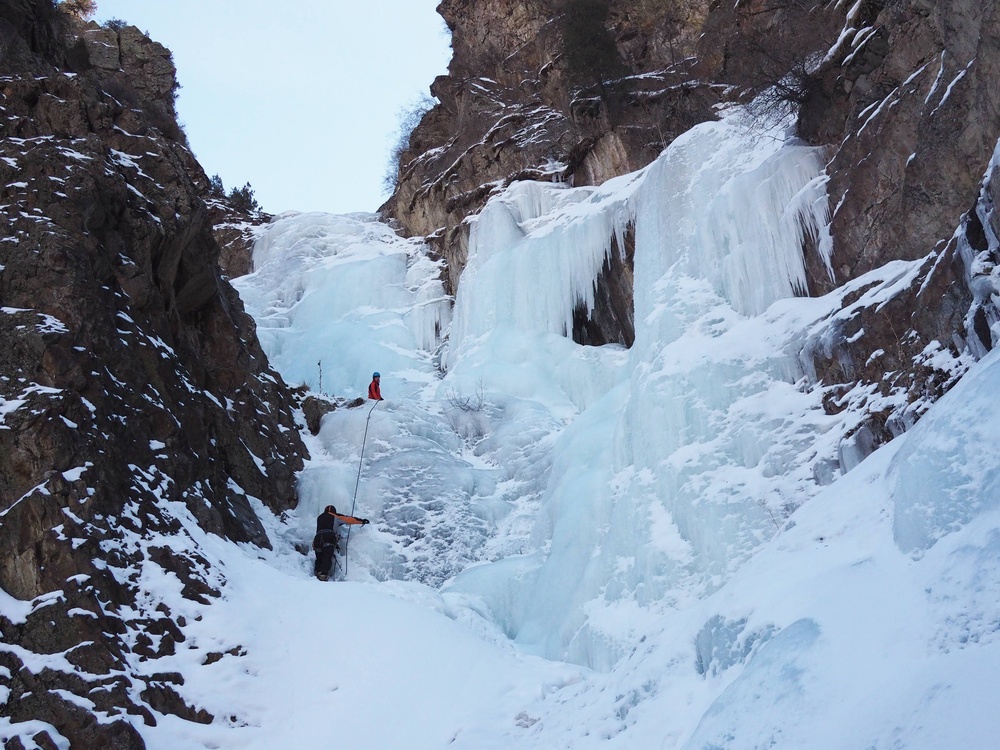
135	401
235	231
914	108
911	103
507	111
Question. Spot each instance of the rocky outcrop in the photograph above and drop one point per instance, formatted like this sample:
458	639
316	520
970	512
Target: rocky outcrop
612	320
909	101
137	409
509	112
235	232
315	406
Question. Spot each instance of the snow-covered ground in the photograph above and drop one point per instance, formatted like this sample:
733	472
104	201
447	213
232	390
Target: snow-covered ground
579	547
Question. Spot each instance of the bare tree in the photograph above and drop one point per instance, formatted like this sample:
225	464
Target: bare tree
80	8
409	117
457	400
773	51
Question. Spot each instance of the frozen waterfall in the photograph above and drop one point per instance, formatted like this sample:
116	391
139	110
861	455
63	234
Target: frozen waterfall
564	490
695	449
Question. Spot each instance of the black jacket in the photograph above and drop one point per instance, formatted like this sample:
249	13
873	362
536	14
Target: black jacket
328	526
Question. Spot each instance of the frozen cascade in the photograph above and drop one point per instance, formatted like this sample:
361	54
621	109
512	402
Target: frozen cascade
713	442
348	292
449	482
535	252
723	247
594	485
538	249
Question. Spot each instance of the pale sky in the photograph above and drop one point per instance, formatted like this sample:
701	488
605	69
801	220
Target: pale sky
301	98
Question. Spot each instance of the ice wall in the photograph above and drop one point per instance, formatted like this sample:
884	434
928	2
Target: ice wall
682	466
452	470
534	253
347	292
538	249
338	297
714	414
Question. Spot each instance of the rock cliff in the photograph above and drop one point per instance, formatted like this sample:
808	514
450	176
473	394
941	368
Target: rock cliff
908	101
135	403
235	231
903	93
509	110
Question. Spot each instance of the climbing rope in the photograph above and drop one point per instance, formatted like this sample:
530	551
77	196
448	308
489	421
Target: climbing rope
357	482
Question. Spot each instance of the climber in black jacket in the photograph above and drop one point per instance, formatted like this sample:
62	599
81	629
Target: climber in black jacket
327	539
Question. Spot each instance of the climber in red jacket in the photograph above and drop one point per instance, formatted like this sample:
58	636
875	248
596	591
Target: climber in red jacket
374	392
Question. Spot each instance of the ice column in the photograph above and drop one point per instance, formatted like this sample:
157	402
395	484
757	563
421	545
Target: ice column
534	253
712	441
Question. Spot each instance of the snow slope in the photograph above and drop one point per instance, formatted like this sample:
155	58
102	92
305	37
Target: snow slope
350	665
578	547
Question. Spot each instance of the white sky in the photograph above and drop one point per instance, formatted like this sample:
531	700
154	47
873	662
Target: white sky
300	98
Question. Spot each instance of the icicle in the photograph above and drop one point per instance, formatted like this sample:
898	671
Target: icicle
535	253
